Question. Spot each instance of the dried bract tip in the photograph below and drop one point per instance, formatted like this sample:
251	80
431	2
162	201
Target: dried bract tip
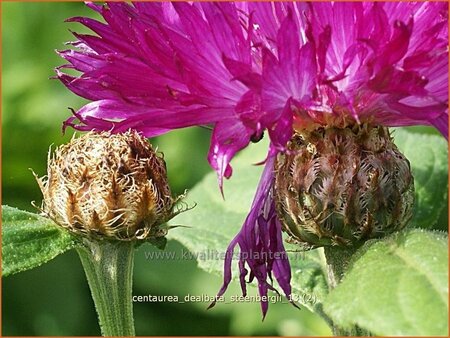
111	185
342	186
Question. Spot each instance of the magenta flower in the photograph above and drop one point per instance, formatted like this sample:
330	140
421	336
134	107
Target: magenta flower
249	67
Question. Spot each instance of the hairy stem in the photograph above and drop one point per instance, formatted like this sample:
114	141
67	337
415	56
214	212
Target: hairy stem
337	263
109	268
338	259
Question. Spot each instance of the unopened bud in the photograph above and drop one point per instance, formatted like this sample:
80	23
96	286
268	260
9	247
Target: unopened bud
341	186
111	185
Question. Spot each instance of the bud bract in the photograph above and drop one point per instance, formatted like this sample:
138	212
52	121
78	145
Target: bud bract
111	185
341	186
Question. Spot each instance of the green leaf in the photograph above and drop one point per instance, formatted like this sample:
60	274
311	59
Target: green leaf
428	155
396	286
30	240
214	222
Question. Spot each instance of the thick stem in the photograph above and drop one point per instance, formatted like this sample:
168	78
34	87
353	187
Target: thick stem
338	259
337	263
109	270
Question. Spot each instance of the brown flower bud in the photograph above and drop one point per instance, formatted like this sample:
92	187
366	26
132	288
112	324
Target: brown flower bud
341	186
111	185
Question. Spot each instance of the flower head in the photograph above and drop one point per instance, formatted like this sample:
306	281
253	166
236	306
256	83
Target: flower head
106	185
246	68
342	186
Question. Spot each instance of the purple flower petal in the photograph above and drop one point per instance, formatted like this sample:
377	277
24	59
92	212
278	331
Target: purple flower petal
380	63
261	244
370	61
228	138
164	65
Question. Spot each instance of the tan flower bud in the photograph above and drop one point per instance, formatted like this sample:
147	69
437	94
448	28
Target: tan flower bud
110	185
341	186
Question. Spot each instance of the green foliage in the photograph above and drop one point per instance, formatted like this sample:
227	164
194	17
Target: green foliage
428	155
396	286
397	281
30	240
214	222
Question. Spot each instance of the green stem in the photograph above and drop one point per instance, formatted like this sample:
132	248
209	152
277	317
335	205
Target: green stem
338	259
109	270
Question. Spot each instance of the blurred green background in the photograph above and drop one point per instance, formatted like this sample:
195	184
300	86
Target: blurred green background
54	299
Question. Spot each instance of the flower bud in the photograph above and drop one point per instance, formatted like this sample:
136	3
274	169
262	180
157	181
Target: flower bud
111	185
341	186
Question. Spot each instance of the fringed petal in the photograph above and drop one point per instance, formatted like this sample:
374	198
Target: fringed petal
227	139
261	245
389	60
119	116
155	67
